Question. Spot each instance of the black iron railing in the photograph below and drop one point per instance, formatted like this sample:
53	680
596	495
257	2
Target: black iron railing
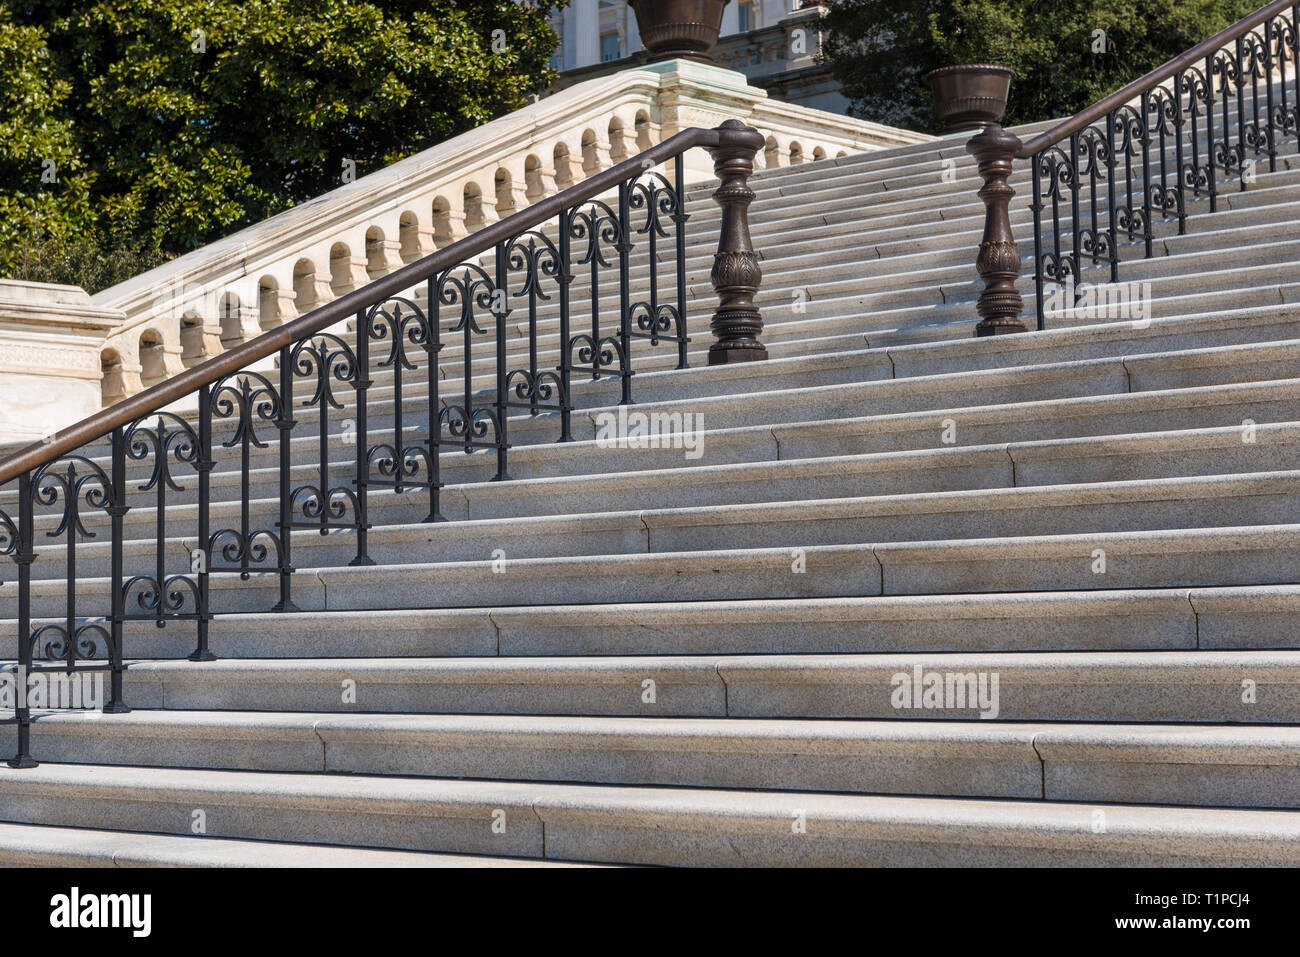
325	384
1104	178
1195	127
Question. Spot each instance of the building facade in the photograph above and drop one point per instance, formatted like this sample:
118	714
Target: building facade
774	43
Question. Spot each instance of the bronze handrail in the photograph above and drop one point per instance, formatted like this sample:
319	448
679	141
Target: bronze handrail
269	343
1105	105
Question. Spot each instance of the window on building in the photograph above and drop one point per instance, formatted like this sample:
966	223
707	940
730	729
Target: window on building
611	47
747	15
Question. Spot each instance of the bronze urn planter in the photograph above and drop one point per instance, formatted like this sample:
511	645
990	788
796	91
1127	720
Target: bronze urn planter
970	96
685	29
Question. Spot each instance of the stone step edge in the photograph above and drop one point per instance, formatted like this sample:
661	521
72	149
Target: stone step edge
835	425
41	845
989	606
1132	492
1013	454
1044	740
662	825
871	558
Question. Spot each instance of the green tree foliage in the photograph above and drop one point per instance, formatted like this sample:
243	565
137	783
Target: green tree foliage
882	49
42	190
174	122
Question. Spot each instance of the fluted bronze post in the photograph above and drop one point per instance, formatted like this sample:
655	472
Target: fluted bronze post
737	323
998	261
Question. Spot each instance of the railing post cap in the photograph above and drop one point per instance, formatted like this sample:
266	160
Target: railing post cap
992	141
734	132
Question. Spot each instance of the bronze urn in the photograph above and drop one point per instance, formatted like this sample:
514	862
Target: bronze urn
970	96
672	29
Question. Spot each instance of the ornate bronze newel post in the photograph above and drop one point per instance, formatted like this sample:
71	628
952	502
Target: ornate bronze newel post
737	323
974	97
998	261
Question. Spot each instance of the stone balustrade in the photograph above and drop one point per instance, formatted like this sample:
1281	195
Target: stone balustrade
231	290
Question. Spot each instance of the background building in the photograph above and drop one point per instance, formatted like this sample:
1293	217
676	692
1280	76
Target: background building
775	43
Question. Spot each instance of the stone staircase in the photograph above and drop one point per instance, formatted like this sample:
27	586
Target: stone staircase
636	656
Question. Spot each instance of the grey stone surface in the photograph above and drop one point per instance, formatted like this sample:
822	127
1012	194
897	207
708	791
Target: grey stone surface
411	814
27	845
610	686
1265	617
1207	766
1049	686
756	829
651	825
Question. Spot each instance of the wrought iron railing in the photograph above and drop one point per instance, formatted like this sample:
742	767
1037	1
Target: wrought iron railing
1104	179
1199	146
519	263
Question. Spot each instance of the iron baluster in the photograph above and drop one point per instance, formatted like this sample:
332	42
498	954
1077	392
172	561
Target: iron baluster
1268	95
1283	116
500	309
624	249
1288	112
1054	186
1110	197
1148	233
1179	182
1127	141
397	363
467	363
1036	206
1211	175
1294	33
533	281
285	423
1077	259
1241	110
433	442
566	341
594	257
117	510
652	247
361	383
24	555
203	464
679	219
322	437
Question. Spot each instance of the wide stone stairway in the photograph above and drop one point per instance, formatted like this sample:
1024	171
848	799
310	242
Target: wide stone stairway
749	651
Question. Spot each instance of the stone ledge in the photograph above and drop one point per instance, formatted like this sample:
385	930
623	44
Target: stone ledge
51	369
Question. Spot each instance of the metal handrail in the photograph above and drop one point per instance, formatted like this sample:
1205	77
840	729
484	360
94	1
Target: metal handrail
102	423
230	390
1145	84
